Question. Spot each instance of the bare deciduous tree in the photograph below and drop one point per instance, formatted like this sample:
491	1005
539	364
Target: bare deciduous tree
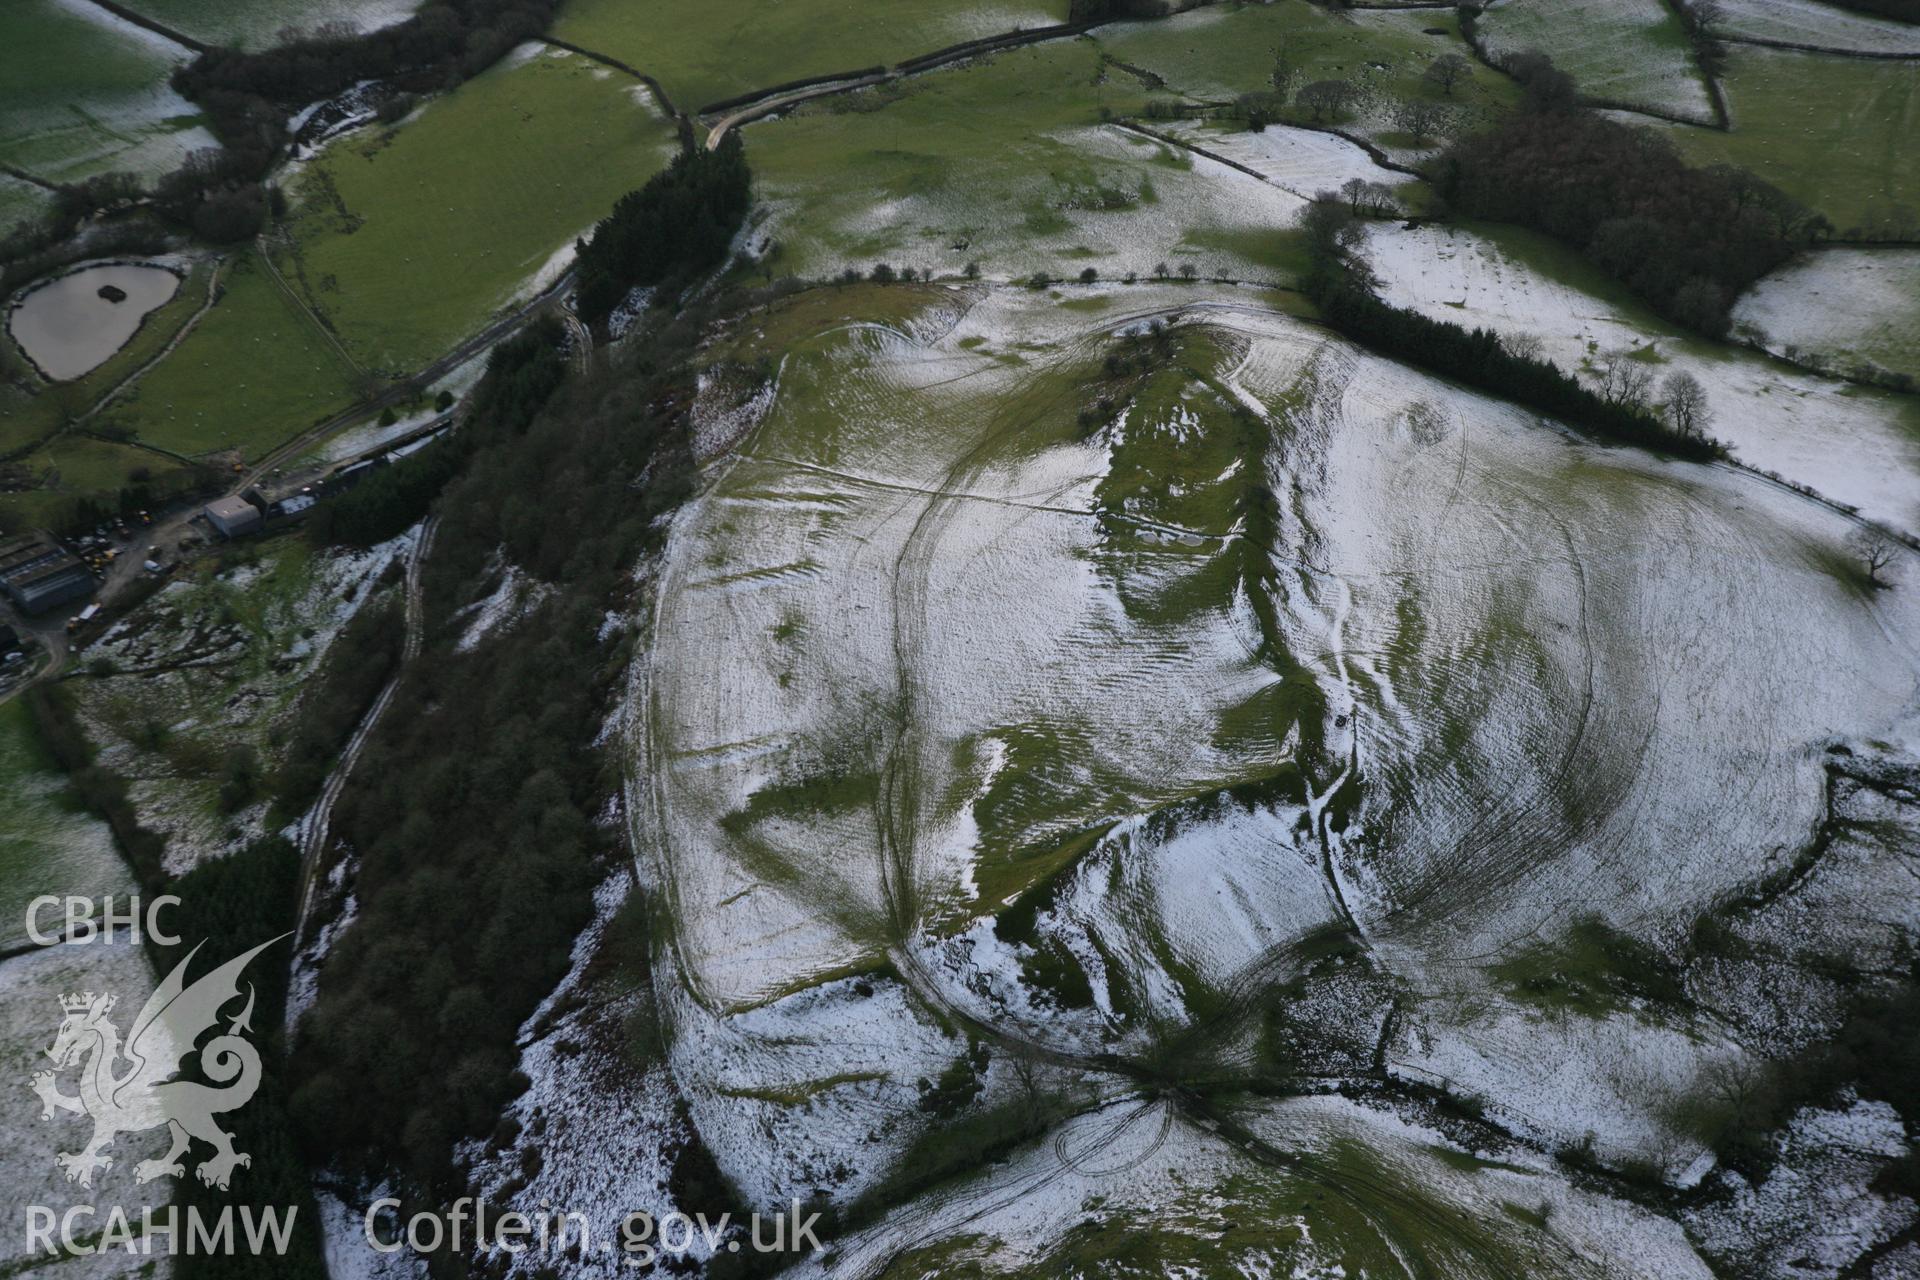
1325	98
1624	381
1331	227
1703	15
1368	197
1284	73
1029	1074
1685	401
1448	70
1523	346
1875	551
1423	121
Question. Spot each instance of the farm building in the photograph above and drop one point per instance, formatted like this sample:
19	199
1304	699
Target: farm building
233	516
37	573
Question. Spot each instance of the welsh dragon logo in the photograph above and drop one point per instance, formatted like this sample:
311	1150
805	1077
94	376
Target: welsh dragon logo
127	1088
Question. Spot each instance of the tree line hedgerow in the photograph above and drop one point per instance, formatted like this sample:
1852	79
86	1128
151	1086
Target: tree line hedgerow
228	905
220	193
677	225
438	47
1343	288
1686	239
358	665
474	813
521	373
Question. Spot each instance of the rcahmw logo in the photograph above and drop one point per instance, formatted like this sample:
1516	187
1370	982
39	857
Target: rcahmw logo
131	1084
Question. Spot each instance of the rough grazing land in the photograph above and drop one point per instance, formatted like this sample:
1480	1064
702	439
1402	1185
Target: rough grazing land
1065	732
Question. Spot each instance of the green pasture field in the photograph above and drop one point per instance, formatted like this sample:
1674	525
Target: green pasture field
71	468
702	52
409	238
1006	162
1015	162
1220	52
20	201
1838	133
252	374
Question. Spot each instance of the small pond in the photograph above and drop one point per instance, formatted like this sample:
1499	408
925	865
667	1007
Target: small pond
73	324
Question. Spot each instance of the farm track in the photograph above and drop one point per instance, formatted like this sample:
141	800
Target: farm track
192	322
320	326
315	827
579	337
768	106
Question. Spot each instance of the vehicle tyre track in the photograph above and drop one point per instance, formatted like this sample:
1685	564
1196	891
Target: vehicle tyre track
315	827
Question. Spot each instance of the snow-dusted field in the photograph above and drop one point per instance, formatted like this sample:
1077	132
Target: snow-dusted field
1823	26
260	24
1473	685
1817	1211
795	554
1303	161
1631	52
1850	444
30	989
46	847
1199	212
120	114
1315	1187
1841	305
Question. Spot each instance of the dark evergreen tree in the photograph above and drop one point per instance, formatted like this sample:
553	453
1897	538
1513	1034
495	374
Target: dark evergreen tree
676	226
